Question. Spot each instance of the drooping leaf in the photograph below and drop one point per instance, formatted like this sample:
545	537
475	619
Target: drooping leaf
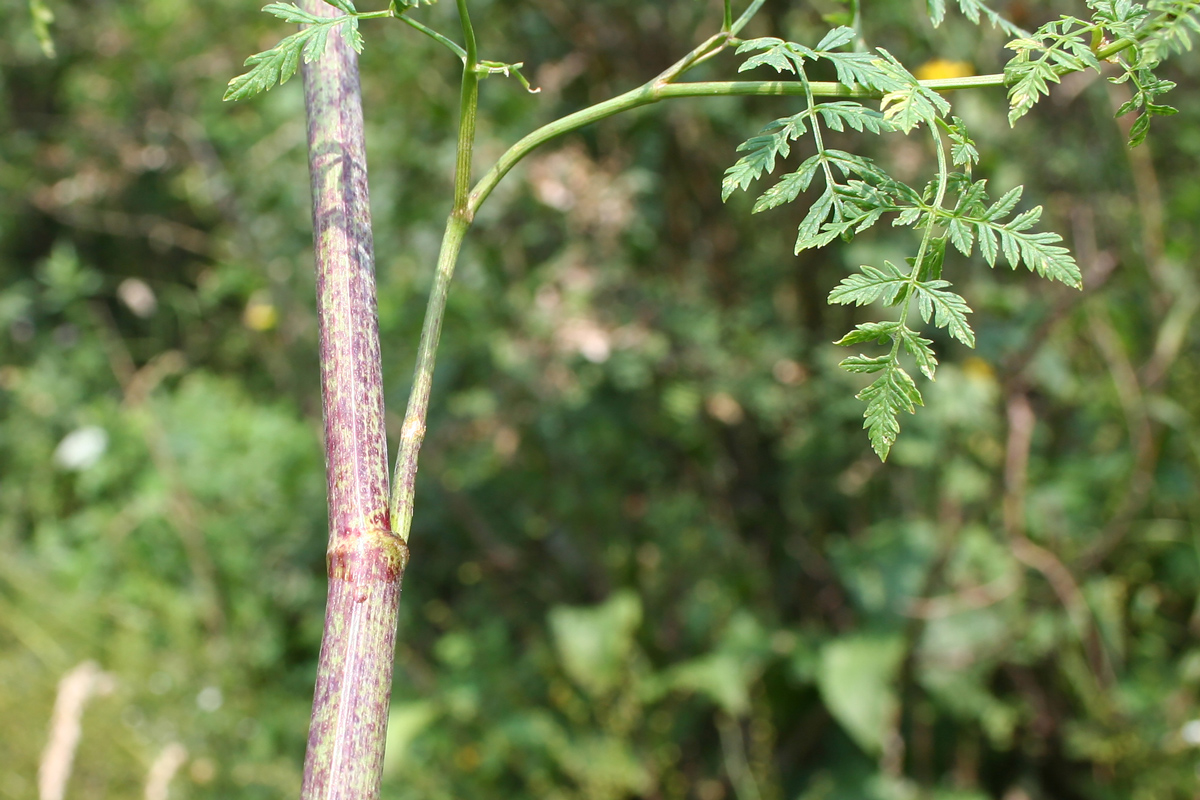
974	9
936	10
871	284
839	114
837	37
861	364
892	392
948	309
919	348
1059	46
878	332
290	12
962	147
774	141
862	69
789	186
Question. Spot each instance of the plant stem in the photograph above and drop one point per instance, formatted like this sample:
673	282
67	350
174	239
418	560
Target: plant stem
653	93
365	559
662	88
412	434
437	37
927	237
746	16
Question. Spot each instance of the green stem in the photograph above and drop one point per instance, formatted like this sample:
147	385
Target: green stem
706	50
468	106
935	210
437	37
746	16
818	140
860	42
652	93
468	33
1105	53
412	434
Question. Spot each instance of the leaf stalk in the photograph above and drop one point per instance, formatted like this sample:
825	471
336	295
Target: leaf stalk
412	434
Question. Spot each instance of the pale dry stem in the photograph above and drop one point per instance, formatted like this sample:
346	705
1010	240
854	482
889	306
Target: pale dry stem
79	685
168	762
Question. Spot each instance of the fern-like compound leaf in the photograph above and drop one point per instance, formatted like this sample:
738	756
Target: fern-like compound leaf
910	104
871	284
277	65
772	142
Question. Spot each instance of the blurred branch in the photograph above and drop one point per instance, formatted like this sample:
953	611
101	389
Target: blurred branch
1172	334
1141	435
75	689
971	598
736	765
159	231
1021	423
168	762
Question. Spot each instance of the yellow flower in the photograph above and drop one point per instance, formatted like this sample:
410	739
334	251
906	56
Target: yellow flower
942	69
260	313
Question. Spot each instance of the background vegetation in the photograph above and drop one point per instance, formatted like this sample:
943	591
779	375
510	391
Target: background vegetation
654	555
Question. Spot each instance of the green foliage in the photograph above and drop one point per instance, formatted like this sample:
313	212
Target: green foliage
857	676
865	192
1146	87
42	18
1069	44
972	10
637	398
858	193
594	644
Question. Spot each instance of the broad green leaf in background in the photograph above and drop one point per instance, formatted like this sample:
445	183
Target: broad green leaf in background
594	644
727	674
406	721
856	678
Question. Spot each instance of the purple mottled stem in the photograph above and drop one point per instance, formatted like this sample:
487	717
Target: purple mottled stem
366	560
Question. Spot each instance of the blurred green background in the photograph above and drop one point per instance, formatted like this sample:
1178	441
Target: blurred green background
654	556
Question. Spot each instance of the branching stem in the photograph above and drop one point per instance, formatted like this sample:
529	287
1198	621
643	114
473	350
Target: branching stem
652	93
664	86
